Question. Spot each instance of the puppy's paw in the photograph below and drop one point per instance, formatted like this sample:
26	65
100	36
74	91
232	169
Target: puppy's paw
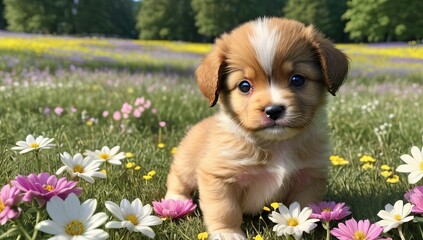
227	236
176	196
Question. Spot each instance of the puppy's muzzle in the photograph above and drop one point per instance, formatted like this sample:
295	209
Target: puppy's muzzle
274	111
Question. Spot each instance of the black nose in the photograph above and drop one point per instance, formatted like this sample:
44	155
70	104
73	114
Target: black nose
274	111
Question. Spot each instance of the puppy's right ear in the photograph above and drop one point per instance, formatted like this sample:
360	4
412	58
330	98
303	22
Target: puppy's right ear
210	73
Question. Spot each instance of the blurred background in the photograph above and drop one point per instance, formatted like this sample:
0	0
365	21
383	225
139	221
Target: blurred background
203	20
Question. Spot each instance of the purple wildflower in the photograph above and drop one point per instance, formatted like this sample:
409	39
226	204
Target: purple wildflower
415	197
43	187
10	198
172	209
328	211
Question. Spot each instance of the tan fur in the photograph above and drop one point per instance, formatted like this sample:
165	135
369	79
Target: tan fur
239	159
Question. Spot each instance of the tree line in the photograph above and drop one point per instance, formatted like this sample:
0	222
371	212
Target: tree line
203	20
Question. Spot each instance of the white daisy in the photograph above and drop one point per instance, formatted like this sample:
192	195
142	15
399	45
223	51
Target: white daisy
414	165
106	154
293	221
77	166
73	220
394	216
133	216
31	144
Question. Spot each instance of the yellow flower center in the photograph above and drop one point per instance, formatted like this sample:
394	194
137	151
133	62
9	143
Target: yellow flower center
292	222
397	217
75	227
421	166
78	168
49	188
1	206
34	145
359	235
104	156
326	210
132	218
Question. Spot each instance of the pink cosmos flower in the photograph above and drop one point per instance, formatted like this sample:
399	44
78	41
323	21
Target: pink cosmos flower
328	211
117	116
172	209
147	104
126	108
105	114
58	111
10	197
357	230
43	187
139	101
415	197
138	112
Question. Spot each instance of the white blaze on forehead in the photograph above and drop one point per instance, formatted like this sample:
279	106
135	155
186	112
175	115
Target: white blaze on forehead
265	41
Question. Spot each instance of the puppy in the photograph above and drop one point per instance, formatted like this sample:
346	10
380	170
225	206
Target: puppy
268	141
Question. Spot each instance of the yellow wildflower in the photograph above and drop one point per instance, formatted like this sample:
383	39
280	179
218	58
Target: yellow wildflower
337	160
203	236
367	159
385	167
136	168
173	151
161	145
146	177
274	205
103	171
258	237
130	165
151	173
89	123
386	174
367	166
393	179
129	155
130	90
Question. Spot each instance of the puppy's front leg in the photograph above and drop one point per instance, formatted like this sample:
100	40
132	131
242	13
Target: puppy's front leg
220	203
308	186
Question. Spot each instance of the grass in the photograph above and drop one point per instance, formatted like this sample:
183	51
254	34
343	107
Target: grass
37	79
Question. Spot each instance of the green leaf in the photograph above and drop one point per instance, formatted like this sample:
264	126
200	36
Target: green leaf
13	231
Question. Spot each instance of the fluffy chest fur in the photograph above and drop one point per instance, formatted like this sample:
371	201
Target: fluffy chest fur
267	172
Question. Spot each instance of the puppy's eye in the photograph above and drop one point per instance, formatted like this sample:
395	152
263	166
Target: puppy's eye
244	86
297	80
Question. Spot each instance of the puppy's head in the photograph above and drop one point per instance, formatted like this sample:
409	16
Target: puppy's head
270	75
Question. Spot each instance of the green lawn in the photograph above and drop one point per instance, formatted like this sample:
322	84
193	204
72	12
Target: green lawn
378	114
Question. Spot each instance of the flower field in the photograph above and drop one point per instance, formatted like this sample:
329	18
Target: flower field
111	113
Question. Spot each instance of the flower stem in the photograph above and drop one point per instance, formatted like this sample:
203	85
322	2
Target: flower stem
400	232
20	225
37	158
37	220
327	227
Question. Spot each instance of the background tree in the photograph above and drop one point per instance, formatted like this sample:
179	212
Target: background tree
167	19
384	20
213	17
108	17
324	14
41	16
3	22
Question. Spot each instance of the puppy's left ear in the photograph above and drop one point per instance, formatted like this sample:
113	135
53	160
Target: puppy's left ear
333	62
210	73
